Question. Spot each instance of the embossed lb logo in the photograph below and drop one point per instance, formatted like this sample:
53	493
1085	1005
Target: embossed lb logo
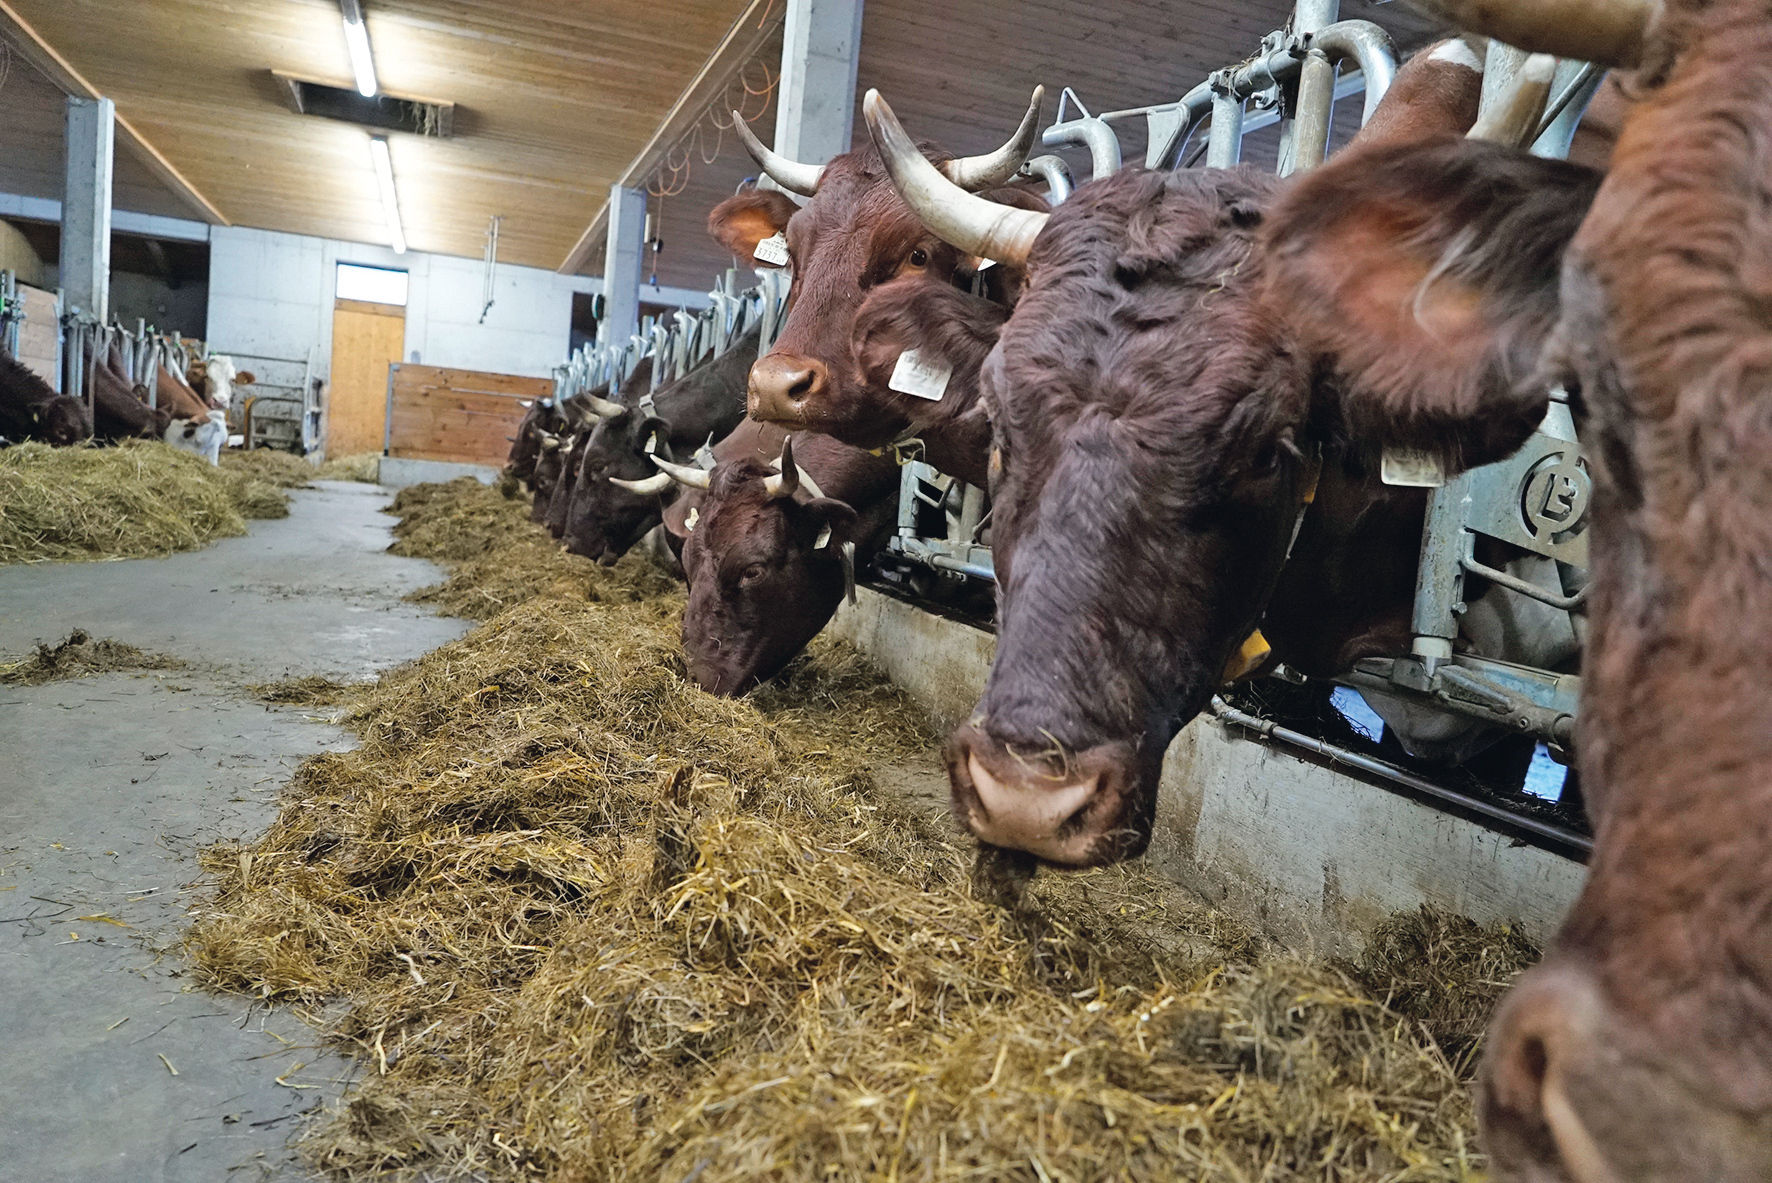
1554	496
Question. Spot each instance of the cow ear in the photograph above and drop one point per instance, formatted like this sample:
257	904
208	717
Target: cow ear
741	222
1425	277
828	521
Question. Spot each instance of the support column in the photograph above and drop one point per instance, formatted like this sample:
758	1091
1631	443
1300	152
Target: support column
86	207
621	265
815	106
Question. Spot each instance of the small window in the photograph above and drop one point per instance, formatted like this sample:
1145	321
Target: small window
373	285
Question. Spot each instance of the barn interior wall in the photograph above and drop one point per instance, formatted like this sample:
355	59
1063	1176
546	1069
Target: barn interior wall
183	309
271	295
17	257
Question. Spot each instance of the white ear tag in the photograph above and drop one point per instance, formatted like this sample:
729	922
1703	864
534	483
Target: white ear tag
985	264
824	539
1411	468
921	379
694	517
772	250
652	445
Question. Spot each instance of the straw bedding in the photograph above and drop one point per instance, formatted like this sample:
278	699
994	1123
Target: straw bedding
79	656
579	920
140	499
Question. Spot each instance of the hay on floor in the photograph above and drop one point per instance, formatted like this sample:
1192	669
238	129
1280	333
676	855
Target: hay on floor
79	656
587	922
140	499
314	690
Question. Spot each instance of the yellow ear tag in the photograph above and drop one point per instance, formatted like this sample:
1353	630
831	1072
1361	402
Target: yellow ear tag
1253	652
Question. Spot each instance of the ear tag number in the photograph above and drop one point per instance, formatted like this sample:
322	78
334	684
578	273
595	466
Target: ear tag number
1412	468
773	251
919	378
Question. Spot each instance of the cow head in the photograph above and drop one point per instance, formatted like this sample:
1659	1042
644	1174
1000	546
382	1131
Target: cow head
854	234
1155	422
616	499
540	422
768	561
63	421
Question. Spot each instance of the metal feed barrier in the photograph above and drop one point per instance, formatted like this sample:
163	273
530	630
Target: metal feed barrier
1536	500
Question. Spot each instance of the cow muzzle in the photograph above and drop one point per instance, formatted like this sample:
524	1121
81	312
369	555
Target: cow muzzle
785	389
1075	810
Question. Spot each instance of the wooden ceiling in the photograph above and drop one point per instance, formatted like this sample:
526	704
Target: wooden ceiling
557	97
554	99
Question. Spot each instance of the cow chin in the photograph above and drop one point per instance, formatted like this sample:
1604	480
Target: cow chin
1094	810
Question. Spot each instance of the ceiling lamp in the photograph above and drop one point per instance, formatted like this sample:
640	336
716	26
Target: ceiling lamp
357	41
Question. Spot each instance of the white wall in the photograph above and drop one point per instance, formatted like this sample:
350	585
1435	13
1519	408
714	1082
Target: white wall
271	295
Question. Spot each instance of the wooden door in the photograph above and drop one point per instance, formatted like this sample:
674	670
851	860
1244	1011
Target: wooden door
366	340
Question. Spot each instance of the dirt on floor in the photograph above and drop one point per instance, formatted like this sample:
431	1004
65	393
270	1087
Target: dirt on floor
578	919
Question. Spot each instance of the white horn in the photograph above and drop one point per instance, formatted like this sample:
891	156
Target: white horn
973	173
1513	118
976	226
685	475
1610	32
786	482
602	408
789	174
658	482
549	442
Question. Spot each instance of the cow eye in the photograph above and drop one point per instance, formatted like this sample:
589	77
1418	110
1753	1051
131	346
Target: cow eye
752	573
919	257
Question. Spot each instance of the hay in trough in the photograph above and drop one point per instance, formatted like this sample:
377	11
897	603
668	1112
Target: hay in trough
579	920
80	656
140	499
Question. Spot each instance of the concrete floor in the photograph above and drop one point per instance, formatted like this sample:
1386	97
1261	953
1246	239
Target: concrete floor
108	788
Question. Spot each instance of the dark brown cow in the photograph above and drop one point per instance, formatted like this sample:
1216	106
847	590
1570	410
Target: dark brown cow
582	415
771	554
1156	431
119	411
852	236
541	420
607	518
1641	1050
31	410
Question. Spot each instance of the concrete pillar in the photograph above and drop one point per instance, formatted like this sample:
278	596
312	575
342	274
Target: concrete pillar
815	106
621	265
86	207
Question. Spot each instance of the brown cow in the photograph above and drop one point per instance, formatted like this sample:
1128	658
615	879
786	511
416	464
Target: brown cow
31	410
771	553
1155	428
1641	1049
853	235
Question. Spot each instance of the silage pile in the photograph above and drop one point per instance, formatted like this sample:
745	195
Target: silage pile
140	499
587	922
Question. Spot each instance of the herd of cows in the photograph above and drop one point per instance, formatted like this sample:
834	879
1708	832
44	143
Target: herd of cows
1177	386
189	411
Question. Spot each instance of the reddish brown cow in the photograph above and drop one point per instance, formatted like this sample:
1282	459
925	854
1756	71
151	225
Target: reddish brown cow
852	236
1155	428
1641	1049
31	410
772	553
118	410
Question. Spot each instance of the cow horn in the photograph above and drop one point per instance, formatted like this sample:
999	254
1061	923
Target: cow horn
786	482
789	174
973	173
686	475
1610	32
549	442
658	482
1513	118
970	222
602	408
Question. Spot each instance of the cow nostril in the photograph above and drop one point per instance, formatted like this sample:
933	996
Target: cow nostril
804	385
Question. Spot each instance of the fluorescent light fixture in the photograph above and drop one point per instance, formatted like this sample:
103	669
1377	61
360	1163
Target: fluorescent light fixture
357	41
390	200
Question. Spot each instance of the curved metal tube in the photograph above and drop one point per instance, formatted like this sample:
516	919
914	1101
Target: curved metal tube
1368	45
1055	172
1095	135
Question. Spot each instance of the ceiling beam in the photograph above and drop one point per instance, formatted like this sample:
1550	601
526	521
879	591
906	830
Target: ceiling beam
62	73
749	33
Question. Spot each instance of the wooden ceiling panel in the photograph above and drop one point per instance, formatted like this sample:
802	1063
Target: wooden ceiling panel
555	97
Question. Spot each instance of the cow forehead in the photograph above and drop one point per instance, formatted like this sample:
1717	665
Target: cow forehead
857	207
